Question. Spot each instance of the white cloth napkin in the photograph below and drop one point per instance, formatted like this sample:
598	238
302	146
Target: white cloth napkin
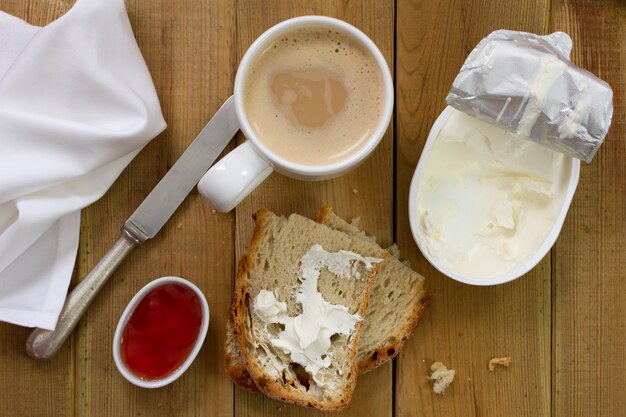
76	105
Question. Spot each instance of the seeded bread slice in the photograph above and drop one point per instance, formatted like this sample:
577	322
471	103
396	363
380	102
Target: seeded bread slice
377	343
272	263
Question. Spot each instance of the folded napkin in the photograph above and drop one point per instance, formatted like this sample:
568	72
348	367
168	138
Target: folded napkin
76	105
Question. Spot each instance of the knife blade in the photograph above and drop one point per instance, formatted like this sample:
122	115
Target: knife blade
169	193
143	224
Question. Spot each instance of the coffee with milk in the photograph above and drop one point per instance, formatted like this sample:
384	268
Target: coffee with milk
314	96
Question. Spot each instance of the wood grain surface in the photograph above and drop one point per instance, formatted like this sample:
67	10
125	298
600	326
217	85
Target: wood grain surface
588	280
563	323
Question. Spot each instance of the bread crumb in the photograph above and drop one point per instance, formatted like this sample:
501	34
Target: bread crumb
179	226
213	211
505	361
442	376
354	191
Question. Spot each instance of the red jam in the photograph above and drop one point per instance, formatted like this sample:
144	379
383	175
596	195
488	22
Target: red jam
162	331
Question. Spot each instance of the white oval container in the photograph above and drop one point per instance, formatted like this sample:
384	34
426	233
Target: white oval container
524	267
117	357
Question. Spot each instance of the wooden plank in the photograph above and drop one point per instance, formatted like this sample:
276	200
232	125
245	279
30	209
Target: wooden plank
466	325
31	388
589	355
188	46
373	182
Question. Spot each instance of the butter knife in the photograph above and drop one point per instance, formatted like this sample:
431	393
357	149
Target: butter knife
142	225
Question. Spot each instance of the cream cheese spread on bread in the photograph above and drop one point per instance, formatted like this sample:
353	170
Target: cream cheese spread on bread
307	337
268	308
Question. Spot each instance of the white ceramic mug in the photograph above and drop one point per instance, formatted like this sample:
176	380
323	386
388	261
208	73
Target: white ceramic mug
231	179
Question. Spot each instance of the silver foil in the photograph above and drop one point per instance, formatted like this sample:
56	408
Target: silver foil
526	84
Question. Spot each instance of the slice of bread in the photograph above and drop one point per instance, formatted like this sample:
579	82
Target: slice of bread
378	343
398	301
273	263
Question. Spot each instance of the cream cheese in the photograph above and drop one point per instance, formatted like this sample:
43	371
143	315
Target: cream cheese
487	200
269	309
306	337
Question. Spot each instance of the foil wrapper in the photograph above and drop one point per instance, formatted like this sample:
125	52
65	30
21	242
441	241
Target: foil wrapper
526	84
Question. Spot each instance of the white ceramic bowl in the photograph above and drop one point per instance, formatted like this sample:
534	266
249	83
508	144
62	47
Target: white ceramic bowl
121	366
512	274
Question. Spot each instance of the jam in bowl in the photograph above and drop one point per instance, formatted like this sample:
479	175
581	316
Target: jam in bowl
160	332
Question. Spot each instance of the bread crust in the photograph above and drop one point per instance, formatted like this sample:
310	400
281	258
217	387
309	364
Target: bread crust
324	213
240	309
235	367
390	351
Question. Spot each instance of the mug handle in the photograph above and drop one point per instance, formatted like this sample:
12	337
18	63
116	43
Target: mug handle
234	177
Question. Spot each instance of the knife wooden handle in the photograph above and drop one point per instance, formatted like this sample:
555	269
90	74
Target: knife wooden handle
44	344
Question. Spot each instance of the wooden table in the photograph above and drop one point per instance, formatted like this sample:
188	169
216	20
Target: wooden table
564	323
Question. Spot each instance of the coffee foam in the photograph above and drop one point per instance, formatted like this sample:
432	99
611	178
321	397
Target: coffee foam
321	51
